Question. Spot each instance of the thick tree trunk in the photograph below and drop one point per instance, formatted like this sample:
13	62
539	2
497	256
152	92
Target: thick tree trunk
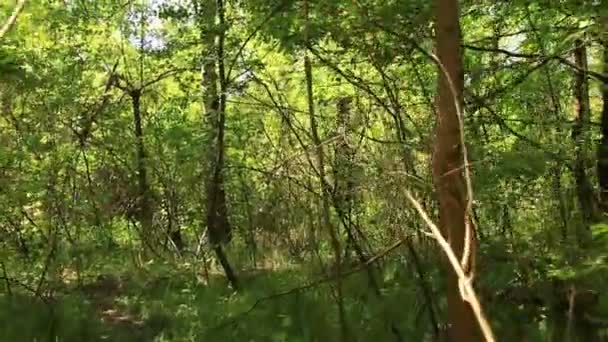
584	190
447	163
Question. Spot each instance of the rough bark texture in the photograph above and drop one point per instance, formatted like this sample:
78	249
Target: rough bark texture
447	163
344	172
584	190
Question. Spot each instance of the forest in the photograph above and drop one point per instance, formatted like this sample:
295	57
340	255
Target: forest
304	170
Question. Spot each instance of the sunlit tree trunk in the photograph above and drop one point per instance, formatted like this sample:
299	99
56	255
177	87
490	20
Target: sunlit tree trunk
214	93
447	162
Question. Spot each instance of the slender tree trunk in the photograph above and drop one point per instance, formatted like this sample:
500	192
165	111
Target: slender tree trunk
602	160
447	163
325	193
344	169
174	232
6	108
345	188
220	231
144	209
584	190
556	185
425	287
345	194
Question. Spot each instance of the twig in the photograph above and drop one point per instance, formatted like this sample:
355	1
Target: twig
26	287
47	264
252	34
311	284
6	279
556	56
467	291
13	18
465	278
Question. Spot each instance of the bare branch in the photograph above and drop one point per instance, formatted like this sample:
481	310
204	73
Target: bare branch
312	284
557	57
13	18
466	286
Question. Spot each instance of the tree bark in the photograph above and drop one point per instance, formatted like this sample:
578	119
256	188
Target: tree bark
220	231
344	168
584	190
447	163
602	160
144	208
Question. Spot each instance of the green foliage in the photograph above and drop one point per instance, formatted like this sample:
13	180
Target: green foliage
71	167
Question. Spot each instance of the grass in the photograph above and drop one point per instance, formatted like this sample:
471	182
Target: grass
171	302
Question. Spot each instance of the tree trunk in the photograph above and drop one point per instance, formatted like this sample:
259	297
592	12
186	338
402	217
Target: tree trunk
223	259
344	169
144	209
584	190
345	188
220	231
447	163
171	206
325	192
602	160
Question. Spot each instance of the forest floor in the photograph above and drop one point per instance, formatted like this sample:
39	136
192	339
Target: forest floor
175	302
103	293
107	307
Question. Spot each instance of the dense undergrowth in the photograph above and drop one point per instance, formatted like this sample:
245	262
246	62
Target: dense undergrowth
169	302
118	299
149	148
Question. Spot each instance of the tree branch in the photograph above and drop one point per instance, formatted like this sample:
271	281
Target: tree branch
312	284
13	18
562	60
